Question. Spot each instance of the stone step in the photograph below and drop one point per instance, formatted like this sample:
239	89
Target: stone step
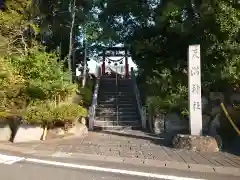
114	88
117	128
114	95
134	118
107	91
113	101
115	123
114	109
125	106
114	78
119	100
114	113
120	109
113	83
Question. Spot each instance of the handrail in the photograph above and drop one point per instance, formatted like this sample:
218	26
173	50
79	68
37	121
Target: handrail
230	119
115	71
92	108
141	108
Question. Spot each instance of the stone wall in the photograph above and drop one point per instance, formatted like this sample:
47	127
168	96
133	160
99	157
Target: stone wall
214	120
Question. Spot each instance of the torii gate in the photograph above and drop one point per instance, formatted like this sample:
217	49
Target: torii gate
115	52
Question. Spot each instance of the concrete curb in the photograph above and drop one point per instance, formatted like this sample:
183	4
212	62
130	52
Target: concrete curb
133	161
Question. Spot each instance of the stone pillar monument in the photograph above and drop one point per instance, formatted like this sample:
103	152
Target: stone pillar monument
194	89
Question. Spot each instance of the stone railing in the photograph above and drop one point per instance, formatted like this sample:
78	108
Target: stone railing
92	108
141	108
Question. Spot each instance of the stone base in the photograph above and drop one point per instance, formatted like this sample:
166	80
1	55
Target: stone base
78	130
5	132
26	133
195	143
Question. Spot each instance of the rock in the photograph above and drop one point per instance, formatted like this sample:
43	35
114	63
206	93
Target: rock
173	123
235	98
5	132
83	120
26	133
205	122
78	130
195	143
158	123
216	110
204	102
59	131
55	133
216	96
214	126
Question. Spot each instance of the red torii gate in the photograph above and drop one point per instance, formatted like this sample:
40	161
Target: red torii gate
116	52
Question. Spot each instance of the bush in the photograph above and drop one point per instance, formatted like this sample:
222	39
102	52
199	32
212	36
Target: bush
69	112
44	75
41	114
12	87
47	114
87	92
165	93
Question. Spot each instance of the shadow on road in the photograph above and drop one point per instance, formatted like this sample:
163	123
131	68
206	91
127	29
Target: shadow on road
164	139
232	147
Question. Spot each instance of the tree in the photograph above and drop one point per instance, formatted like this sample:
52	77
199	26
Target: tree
159	33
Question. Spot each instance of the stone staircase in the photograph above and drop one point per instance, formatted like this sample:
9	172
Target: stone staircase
117	107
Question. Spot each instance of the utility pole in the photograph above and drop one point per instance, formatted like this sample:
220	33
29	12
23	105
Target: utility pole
70	52
85	60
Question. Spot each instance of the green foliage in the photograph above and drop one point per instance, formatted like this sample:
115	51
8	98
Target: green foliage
87	92
69	112
159	33
47	114
44	75
166	94
41	114
33	82
12	86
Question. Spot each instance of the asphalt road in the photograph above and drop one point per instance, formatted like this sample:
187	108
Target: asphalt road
40	172
68	169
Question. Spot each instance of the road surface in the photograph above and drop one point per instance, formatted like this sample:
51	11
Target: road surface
19	168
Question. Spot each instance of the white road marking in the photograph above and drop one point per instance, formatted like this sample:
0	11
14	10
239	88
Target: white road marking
109	170
5	159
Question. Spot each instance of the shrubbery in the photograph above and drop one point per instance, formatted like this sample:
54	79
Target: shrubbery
47	114
35	87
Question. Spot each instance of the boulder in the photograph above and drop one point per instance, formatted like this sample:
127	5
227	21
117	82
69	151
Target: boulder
216	96
216	110
205	122
173	123
204	102
158	123
195	143
215	125
235	98
78	130
83	120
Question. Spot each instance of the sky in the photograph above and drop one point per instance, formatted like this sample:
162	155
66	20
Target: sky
92	64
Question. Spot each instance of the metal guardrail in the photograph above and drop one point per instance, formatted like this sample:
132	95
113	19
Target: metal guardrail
141	108
92	108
